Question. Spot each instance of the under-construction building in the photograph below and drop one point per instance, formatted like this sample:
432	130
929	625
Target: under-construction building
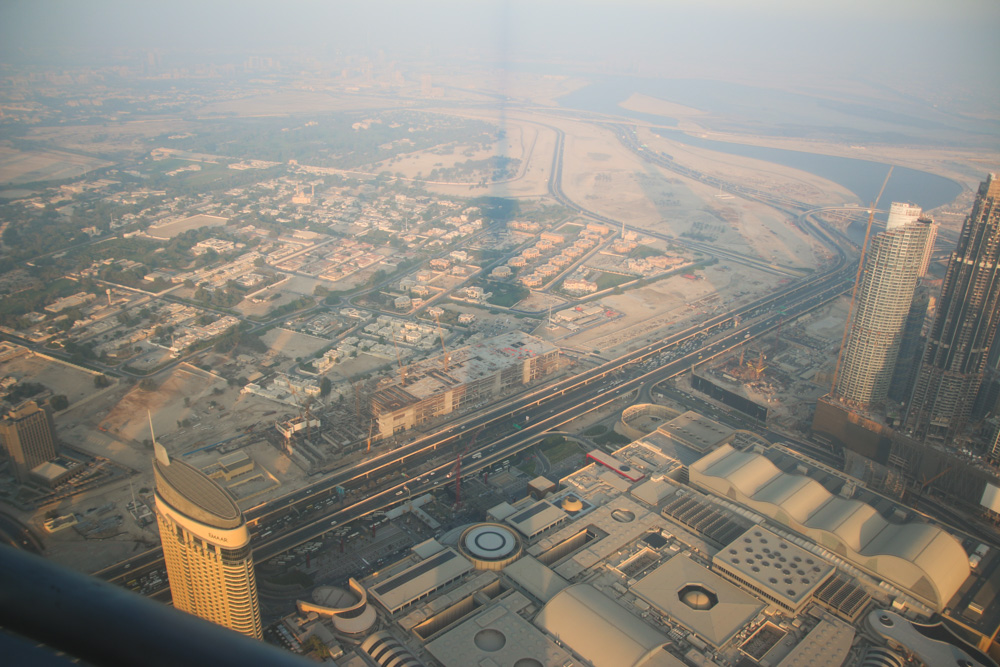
959	342
885	294
461	378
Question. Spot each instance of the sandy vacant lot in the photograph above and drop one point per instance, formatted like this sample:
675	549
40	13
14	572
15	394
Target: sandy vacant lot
28	166
293	344
174	228
529	140
671	304
652	105
74	383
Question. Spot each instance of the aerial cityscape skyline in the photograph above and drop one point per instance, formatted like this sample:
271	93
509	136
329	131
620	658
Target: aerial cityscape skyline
501	333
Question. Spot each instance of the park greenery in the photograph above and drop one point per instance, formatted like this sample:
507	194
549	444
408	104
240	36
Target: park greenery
343	140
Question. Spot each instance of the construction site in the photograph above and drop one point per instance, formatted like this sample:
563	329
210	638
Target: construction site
776	378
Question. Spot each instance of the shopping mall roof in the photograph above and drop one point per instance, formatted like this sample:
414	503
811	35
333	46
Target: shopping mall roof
826	645
498	636
420	579
537	518
922	559
701	600
601	632
537	579
697	431
775	565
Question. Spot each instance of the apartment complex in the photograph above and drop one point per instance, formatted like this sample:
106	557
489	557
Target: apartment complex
461	378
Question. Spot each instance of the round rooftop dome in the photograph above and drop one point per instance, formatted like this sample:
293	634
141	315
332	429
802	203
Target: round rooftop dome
697	600
697	597
490	546
572	504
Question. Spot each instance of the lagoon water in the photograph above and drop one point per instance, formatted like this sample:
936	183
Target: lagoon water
861	177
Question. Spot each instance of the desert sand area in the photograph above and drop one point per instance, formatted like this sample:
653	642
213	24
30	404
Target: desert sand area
298	102
292	344
480	86
602	175
73	382
671	304
190	409
964	165
28	166
112	137
128	419
652	105
169	230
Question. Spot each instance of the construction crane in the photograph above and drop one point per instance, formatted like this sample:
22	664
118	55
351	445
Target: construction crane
930	480
444	351
457	470
371	427
357	399
757	369
857	279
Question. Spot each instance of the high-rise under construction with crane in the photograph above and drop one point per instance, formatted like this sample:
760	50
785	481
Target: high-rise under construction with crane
965	326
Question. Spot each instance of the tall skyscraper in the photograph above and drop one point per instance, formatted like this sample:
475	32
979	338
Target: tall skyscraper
885	293
911	347
965	326
900	213
206	547
27	436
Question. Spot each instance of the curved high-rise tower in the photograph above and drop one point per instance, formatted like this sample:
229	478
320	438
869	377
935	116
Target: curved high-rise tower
206	547
892	268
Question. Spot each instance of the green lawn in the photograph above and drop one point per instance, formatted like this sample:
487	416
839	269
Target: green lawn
609	280
560	451
612	438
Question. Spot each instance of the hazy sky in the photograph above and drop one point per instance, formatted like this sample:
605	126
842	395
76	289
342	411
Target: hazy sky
915	42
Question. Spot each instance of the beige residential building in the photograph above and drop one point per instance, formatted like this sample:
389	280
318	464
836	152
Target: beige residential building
461	378
206	547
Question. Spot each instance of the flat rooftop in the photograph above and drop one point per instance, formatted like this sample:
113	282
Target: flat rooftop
498	636
537	518
420	579
701	600
467	364
697	431
775	565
